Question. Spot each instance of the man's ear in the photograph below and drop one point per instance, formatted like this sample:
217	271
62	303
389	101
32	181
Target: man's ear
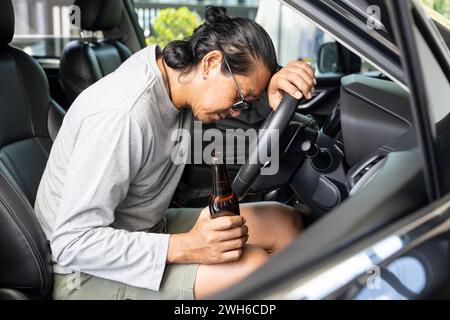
210	62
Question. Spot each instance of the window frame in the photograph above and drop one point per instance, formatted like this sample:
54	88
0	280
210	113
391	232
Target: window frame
409	15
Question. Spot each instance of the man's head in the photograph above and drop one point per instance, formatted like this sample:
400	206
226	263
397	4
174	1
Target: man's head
225	61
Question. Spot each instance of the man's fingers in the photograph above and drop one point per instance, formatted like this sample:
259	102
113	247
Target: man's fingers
304	66
302	82
306	72
289	88
297	79
232	255
233	233
309	86
310	71
234	244
227	222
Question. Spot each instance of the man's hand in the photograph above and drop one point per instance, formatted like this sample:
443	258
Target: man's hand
210	241
296	78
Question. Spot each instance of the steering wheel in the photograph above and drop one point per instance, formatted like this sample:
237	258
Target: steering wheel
277	120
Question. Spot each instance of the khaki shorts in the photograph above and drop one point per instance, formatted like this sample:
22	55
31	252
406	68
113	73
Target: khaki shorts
177	282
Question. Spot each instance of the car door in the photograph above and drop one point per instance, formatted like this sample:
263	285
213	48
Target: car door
406	256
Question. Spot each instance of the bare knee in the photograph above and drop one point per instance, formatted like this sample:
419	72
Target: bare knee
212	279
253	257
293	219
288	225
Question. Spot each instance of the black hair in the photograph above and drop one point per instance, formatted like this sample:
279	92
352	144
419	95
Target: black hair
242	41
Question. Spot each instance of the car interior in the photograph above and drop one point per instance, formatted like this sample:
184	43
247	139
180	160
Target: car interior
87	60
339	150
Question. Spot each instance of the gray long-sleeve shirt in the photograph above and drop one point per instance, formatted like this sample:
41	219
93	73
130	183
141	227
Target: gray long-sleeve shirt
110	178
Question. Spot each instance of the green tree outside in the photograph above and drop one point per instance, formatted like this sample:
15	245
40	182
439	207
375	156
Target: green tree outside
173	24
441	6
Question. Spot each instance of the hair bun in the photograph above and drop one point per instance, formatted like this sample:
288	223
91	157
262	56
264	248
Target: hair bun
215	14
177	54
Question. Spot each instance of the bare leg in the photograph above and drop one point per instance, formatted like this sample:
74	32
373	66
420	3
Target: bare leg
216	277
271	225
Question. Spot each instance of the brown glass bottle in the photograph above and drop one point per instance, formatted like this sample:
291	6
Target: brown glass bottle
223	201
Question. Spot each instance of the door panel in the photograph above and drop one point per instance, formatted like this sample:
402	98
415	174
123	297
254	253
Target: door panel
380	203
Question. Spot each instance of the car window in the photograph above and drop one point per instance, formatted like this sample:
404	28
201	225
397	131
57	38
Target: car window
372	16
43	28
294	36
439	7
164	21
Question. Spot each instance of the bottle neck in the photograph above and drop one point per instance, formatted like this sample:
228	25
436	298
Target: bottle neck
221	183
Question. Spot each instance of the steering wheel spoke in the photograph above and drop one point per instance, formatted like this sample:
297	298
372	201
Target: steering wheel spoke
277	120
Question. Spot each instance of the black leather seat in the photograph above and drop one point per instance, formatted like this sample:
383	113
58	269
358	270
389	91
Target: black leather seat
86	61
29	120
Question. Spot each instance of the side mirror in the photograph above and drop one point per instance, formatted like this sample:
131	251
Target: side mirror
334	58
328	58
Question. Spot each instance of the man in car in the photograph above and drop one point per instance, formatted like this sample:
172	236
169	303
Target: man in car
104	196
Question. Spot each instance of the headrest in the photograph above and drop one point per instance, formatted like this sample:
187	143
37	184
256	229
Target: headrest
100	14
6	22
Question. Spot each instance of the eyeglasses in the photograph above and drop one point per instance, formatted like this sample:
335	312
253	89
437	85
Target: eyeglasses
242	105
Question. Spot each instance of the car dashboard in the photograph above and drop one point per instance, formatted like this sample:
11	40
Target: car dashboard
374	120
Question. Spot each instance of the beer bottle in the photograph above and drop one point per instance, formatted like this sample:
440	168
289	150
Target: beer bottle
223	201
